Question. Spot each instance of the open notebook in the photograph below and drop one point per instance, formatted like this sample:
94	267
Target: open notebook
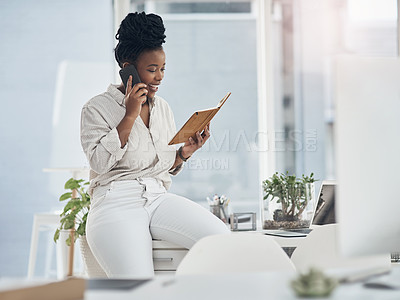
197	122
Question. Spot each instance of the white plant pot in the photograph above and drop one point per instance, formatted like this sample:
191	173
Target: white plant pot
62	255
92	267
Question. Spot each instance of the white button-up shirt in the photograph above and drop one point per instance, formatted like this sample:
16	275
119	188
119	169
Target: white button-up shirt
146	154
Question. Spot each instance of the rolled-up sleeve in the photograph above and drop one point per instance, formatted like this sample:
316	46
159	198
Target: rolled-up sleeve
171	133
100	142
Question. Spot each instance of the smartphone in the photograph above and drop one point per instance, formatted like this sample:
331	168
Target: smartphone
126	72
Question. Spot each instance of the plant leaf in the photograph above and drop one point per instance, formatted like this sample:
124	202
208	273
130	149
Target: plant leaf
56	235
68	240
72	184
81	229
69	224
65	196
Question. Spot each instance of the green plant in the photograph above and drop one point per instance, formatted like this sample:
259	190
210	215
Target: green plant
314	284
75	211
290	191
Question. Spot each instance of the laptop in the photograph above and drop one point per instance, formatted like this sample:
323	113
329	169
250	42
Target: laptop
324	213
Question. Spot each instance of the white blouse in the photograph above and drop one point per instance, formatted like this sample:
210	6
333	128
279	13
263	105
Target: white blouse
146	154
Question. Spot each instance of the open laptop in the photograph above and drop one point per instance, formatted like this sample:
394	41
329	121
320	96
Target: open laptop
324	213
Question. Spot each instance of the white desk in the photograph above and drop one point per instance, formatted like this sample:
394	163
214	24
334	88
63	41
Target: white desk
288	241
282	241
167	256
240	286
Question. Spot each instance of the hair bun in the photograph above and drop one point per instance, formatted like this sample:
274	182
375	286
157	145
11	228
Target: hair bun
141	30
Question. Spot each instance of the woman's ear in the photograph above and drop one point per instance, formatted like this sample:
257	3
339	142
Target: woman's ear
125	64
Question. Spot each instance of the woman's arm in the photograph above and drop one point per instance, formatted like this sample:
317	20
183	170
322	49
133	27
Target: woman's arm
191	146
100	143
124	129
135	97
105	146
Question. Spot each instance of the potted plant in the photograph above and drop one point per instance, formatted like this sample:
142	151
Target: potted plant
75	211
286	198
73	219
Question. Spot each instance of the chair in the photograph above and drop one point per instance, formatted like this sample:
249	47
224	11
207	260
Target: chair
50	221
42	221
320	250
236	252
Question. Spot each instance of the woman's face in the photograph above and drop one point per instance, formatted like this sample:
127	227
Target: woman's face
150	66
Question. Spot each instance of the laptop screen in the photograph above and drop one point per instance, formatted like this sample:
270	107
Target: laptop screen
325	210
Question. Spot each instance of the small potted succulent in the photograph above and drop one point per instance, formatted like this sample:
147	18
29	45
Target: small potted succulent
314	284
73	221
286	201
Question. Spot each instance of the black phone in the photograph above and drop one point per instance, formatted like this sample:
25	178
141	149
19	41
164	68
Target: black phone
126	72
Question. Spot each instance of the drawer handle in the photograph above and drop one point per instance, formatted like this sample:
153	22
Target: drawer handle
163	258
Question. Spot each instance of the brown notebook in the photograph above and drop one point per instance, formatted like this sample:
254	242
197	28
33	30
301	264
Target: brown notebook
197	122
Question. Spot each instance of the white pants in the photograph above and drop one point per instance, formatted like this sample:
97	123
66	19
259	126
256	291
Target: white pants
125	216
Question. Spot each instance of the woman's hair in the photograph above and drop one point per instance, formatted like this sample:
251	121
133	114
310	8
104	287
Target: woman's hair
138	32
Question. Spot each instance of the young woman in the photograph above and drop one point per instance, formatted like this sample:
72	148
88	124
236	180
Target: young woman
125	133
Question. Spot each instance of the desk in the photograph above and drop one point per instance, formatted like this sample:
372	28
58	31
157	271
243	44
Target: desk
288	244
167	256
240	286
288	241
282	241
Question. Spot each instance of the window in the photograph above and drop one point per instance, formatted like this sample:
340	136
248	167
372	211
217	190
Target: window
295	105
307	36
194	7
211	49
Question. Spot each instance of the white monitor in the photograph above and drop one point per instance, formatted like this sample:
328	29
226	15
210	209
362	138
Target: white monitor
367	92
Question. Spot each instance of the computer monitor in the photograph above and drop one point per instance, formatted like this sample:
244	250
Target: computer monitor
367	133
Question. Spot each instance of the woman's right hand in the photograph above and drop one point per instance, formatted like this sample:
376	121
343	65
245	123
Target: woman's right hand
135	97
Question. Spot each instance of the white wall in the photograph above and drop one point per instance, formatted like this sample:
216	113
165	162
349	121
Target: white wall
36	36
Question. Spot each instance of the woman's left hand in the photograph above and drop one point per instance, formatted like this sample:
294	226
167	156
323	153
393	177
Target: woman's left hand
193	145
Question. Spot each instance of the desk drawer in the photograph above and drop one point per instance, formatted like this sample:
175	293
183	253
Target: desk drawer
167	260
